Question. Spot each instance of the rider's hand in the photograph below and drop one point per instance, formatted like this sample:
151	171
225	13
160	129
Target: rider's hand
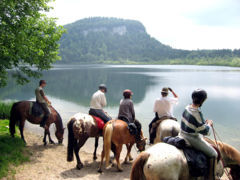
170	89
209	122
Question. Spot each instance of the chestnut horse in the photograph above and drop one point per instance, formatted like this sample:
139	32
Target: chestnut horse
164	161
115	134
20	112
168	127
80	127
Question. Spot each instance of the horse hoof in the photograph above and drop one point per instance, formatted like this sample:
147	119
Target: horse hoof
52	142
99	170
79	166
120	169
45	143
94	158
130	159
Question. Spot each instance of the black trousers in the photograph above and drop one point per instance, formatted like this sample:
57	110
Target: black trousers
99	113
152	135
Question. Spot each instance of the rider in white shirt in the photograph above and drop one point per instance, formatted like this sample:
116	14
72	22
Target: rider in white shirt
163	109
97	103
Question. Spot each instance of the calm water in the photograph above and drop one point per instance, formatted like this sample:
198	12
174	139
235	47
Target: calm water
70	89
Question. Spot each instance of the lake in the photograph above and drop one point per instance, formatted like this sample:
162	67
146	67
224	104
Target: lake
70	87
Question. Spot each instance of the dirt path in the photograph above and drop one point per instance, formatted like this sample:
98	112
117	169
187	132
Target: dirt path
49	163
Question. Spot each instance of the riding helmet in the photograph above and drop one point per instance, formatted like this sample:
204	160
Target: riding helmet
199	96
127	93
103	86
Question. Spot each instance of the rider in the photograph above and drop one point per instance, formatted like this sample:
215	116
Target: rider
43	101
97	103
163	109
193	125
126	109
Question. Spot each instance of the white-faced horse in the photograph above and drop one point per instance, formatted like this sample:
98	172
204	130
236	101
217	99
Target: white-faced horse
165	162
168	127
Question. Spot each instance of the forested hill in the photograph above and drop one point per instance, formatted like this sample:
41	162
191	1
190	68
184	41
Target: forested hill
112	40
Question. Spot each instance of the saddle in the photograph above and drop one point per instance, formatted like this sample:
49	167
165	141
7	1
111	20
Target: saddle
36	109
198	162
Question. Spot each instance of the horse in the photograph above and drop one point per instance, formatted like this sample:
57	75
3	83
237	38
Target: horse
168	127
80	127
164	161
115	134
20	112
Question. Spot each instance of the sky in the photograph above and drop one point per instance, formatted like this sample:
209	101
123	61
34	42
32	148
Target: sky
181	24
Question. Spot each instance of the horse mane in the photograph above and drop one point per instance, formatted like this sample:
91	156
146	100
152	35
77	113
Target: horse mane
231	152
137	167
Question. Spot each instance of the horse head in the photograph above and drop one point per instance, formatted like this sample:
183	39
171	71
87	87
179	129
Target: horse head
59	134
141	144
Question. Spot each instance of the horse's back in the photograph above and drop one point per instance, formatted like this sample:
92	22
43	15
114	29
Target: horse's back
165	162
166	128
121	132
84	124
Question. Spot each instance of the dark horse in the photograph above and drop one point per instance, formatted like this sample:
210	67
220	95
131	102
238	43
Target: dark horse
20	112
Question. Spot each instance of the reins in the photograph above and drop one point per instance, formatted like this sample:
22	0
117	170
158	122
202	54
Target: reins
215	138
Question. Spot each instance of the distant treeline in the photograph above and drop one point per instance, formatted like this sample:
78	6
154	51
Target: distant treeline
112	40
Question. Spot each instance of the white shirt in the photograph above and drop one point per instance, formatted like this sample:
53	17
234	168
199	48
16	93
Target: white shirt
98	100
164	106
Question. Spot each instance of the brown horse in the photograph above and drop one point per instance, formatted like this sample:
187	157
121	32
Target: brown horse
115	134
80	127
164	161
20	112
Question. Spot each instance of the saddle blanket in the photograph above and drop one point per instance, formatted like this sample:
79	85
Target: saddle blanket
36	109
198	162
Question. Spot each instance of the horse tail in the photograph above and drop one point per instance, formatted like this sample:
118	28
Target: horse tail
107	142
14	114
138	165
71	140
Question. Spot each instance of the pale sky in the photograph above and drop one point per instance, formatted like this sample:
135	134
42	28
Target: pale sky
182	24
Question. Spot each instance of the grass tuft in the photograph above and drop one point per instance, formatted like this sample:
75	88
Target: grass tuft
12	150
5	109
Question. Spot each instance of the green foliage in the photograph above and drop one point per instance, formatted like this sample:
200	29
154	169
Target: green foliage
12	150
5	109
118	41
27	39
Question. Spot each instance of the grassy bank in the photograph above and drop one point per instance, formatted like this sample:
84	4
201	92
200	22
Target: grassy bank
12	151
5	108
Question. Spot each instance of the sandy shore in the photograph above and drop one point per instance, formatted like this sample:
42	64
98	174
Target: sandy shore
49	163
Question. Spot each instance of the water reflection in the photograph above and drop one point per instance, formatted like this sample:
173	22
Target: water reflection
71	87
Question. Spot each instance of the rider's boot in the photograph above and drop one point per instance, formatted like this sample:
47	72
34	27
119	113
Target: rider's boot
212	169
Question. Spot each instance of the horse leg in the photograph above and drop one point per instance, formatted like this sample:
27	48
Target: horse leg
118	152
101	163
44	138
77	145
50	139
95	150
21	127
129	147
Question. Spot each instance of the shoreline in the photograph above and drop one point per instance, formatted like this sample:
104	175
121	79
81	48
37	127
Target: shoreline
49	162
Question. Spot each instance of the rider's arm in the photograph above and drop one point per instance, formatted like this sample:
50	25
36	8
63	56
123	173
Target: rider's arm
174	94
44	97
